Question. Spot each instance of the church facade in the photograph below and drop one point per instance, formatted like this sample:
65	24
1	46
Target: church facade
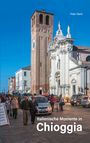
70	66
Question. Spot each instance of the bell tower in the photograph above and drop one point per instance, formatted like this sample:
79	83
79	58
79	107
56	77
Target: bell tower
41	36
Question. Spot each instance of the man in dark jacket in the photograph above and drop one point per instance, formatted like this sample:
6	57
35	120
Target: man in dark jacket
33	109
25	107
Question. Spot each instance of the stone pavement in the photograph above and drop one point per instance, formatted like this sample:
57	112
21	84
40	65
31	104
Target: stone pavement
17	133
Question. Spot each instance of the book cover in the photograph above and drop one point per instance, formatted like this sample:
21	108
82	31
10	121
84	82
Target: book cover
44	71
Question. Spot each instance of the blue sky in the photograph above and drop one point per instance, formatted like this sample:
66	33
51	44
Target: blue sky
15	29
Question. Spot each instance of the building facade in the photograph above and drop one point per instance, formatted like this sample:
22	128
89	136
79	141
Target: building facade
70	69
11	85
23	80
41	36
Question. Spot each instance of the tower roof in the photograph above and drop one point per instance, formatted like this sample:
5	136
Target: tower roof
27	68
42	11
82	49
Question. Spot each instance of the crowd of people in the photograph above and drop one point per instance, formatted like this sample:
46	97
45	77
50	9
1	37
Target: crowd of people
56	102
13	103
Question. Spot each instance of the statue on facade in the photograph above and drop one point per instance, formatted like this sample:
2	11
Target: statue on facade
68	32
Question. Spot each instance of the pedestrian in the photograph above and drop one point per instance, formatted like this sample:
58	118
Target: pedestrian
52	101
25	108
33	109
61	103
19	100
14	106
3	99
11	112
57	104
7	103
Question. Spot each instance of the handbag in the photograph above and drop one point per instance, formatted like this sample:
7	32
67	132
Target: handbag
62	103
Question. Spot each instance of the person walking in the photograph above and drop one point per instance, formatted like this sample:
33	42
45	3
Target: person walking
61	103
33	109
14	106
52	101
7	103
25	108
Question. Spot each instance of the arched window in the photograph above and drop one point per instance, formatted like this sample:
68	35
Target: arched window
47	20
41	19
59	63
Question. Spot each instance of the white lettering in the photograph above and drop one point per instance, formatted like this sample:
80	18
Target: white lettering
61	128
40	129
